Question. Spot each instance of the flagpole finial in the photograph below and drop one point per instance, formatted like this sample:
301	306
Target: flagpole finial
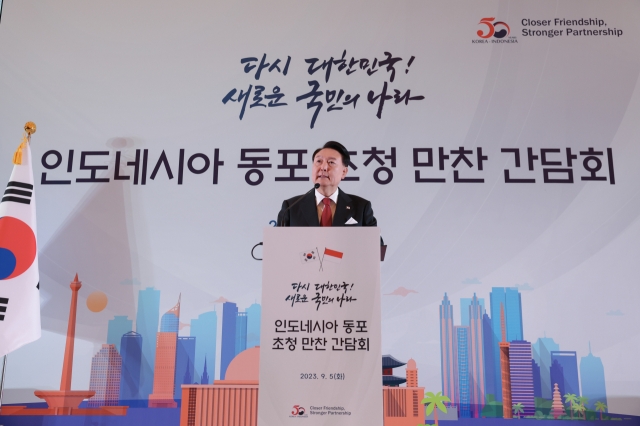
30	127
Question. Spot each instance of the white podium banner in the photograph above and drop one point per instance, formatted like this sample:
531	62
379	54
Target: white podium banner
320	357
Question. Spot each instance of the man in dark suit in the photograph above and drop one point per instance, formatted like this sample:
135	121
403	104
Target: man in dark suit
329	206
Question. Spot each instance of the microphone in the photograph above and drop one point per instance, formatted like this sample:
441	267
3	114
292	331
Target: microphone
316	186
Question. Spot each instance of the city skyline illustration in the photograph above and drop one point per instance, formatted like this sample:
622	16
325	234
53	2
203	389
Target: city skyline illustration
468	354
486	360
149	360
472	367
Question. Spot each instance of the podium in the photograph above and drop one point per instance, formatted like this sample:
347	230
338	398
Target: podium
320	352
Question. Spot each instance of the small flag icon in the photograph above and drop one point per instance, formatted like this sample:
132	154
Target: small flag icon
333	256
309	256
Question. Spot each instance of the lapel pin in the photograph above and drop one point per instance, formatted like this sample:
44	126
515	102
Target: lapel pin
348	207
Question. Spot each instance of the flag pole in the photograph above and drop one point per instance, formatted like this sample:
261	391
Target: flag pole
4	367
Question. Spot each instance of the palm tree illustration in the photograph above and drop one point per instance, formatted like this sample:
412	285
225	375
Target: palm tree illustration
582	400
434	403
600	406
518	409
570	398
580	409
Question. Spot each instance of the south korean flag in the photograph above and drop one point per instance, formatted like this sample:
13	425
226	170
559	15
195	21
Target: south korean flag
309	256
19	278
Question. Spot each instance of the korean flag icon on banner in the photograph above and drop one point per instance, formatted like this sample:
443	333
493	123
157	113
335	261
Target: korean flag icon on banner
19	278
309	256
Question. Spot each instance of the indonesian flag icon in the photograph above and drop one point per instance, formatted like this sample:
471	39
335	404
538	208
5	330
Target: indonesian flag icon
19	278
332	256
309	256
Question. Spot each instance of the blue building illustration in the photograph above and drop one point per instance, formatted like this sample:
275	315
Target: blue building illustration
118	326
542	355
592	380
462	359
556	374
205	330
228	350
147	318
489	354
513	314
241	332
254	313
131	353
567	375
185	355
537	383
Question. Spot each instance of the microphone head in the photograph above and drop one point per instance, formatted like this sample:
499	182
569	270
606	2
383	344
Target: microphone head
316	186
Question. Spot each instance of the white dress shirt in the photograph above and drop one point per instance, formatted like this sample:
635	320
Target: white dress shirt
320	205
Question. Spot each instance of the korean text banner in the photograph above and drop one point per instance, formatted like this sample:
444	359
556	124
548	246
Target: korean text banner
321	327
497	142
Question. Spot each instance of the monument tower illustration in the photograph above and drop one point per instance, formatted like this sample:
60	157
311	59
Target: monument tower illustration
66	401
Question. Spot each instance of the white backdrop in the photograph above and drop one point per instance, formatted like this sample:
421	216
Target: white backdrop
118	75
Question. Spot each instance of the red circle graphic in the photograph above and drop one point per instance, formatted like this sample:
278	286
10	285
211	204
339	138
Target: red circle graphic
18	237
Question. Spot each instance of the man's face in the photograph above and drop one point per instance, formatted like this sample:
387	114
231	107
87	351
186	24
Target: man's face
328	170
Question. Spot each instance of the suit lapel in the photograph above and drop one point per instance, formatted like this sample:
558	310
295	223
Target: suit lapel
342	212
311	210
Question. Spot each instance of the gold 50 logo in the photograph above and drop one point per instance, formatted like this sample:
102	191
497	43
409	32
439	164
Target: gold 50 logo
490	29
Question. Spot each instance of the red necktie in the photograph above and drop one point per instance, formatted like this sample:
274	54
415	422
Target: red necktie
325	220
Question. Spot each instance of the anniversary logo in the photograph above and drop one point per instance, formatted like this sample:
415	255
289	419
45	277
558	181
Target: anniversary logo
494	32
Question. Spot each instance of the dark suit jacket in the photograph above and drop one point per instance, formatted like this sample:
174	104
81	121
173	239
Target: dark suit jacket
305	213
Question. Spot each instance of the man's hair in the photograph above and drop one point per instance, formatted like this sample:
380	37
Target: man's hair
346	158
